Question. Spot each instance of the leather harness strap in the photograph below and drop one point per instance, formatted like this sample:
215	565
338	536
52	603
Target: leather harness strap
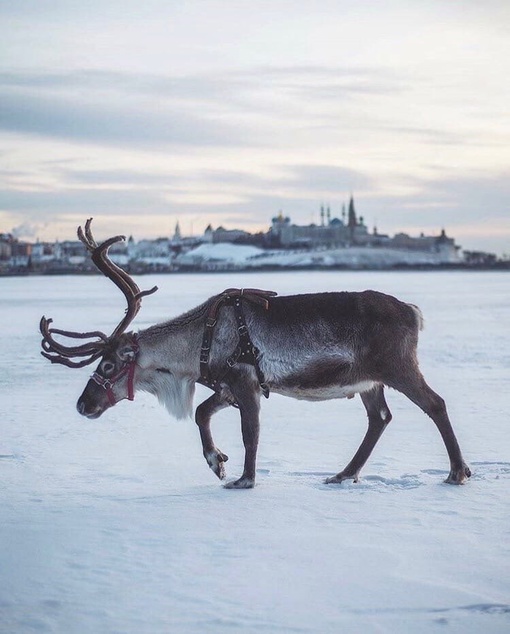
128	368
245	351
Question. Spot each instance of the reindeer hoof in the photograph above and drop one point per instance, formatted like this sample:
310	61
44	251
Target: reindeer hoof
458	476
242	483
216	461
340	477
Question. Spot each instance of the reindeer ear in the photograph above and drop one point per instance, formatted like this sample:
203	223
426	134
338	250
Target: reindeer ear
126	352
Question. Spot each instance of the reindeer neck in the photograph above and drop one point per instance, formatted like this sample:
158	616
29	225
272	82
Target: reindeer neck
177	341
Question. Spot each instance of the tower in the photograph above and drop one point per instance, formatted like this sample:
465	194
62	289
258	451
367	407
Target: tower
352	221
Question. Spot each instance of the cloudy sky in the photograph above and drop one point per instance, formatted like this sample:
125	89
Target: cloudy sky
143	114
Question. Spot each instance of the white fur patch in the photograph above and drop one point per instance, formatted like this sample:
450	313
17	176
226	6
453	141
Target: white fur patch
384	413
175	393
212	460
327	393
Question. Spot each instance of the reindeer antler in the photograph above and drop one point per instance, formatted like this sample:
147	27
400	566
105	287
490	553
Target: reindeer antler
99	255
57	352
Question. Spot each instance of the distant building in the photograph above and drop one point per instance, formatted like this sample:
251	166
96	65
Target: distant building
71	252
177	239
6	240
42	254
480	258
14	253
434	244
216	236
351	231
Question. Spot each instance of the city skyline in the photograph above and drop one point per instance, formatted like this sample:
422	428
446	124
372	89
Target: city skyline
225	113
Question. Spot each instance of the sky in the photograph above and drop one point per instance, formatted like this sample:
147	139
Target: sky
226	112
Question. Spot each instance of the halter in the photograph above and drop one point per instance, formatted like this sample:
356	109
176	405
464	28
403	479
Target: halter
108	383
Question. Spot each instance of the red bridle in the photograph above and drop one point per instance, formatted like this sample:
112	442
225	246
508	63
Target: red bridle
108	383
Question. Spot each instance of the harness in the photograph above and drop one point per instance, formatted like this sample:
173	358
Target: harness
245	351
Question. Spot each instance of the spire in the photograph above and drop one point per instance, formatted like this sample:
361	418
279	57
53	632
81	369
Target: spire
352	222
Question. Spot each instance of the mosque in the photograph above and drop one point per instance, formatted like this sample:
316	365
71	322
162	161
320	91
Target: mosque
331	232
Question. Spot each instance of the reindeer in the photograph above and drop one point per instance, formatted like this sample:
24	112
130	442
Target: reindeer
247	343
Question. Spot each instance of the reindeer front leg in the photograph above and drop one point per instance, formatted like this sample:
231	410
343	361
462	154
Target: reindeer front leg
214	457
247	395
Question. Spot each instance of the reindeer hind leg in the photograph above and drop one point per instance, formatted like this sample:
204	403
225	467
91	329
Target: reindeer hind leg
414	386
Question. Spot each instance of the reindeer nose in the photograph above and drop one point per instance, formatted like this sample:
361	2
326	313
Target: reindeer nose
87	409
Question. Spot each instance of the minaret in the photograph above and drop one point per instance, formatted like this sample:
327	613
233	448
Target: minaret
322	215
177	233
328	215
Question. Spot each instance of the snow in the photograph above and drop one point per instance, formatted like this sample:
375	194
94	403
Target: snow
118	525
223	252
353	257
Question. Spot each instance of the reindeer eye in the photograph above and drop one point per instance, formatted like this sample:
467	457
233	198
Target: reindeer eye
107	367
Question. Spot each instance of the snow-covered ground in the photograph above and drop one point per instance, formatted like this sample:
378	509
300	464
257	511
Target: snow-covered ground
228	255
223	252
118	526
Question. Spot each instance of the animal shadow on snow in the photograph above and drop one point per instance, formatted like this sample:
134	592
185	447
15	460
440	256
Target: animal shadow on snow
365	482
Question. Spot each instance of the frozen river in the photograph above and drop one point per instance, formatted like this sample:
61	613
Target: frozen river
117	526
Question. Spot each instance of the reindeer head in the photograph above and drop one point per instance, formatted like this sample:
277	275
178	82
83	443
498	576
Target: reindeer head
113	379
